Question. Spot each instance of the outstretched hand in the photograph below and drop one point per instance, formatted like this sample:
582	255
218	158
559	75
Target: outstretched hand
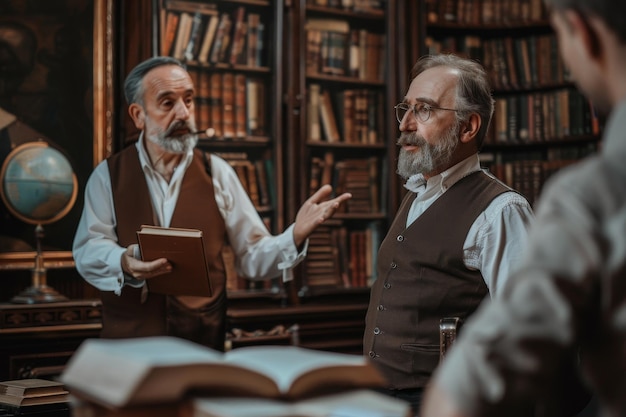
315	211
139	269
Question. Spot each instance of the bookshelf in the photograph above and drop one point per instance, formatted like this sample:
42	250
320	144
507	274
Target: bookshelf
338	123
541	122
231	51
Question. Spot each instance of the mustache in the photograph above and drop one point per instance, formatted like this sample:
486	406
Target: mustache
178	125
412	138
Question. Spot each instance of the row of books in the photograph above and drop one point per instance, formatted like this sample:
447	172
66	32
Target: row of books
511	62
199	32
360	177
528	172
346	116
359	6
233	104
254	175
343	257
542	116
476	12
334	48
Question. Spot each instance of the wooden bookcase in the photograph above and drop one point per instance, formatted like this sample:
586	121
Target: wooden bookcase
231	50
342	83
541	122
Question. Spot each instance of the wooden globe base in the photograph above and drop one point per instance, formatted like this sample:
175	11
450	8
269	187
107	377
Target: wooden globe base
39	291
37	295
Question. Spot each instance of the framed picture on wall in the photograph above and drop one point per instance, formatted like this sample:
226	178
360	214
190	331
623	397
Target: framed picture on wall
56	87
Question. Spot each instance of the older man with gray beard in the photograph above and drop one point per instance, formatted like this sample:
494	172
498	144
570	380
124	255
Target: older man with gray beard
162	180
457	234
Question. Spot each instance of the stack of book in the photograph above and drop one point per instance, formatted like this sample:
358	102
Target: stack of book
165	376
33	396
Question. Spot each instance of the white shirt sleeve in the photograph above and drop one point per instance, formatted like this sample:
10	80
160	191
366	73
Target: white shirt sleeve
96	251
259	254
495	243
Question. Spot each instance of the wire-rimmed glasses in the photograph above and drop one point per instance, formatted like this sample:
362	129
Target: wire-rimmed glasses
421	111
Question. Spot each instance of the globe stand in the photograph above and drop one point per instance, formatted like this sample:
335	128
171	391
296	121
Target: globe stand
39	291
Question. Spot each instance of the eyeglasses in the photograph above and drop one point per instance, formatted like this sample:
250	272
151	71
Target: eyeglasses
421	111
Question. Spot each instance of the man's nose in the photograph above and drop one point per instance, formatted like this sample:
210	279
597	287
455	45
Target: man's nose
182	111
408	122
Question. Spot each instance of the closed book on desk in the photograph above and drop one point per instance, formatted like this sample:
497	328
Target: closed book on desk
18	401
32	387
184	249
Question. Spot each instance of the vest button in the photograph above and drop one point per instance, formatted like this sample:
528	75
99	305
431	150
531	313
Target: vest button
394	265
380	307
400	238
387	285
372	354
376	330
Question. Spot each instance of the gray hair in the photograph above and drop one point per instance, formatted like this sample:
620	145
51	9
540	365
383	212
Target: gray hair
473	92
133	86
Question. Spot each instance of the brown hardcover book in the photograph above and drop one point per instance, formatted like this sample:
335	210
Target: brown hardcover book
252	41
207	40
314	132
125	372
327	116
182	35
203	108
221	38
17	401
215	102
241	116
264	191
228	105
31	387
184	249
239	35
169	32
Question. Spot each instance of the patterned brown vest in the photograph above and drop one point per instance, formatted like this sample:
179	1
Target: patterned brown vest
422	278
126	315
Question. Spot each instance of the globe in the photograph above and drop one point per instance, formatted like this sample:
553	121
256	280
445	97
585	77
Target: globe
38	183
38	186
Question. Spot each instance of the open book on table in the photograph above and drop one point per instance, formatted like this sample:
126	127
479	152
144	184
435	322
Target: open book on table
125	372
184	249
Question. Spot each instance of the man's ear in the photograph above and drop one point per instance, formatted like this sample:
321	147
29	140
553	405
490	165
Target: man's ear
138	115
470	128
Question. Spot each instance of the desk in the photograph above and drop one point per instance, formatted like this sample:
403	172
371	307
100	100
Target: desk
38	339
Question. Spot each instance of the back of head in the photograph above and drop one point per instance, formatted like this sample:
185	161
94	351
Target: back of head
133	86
612	12
473	93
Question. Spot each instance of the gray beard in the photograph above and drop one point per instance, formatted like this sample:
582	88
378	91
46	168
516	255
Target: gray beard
175	144
428	158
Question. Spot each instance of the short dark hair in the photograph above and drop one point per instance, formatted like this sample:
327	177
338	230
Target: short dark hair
473	92
133	86
612	12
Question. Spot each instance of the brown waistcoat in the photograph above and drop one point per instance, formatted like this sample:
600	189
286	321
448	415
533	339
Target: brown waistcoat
422	278
126	315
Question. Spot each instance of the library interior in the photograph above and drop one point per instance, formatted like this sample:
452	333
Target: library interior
292	95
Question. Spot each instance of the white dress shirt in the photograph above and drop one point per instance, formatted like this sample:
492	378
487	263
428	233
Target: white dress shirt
259	254
495	241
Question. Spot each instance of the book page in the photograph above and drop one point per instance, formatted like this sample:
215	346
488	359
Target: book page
297	371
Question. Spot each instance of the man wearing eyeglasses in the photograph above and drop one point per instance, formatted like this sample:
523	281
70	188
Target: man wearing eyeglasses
458	232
